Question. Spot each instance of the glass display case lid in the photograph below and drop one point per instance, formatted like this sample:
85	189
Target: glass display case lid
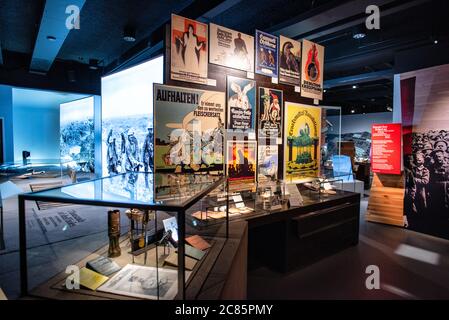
135	189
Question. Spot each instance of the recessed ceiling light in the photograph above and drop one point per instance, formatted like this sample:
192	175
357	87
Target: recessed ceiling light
129	34
354	87
325	90
359	35
435	41
51	38
352	111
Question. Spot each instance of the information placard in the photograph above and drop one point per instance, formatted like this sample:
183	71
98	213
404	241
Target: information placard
386	148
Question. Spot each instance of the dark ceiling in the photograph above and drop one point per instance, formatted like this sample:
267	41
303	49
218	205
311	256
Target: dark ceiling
405	41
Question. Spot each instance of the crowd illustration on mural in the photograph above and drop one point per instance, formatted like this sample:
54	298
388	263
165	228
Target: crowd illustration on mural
427	183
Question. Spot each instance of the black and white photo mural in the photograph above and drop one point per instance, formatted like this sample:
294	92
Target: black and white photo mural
77	134
127	118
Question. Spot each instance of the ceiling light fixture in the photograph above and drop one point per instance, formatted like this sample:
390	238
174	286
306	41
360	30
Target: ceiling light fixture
354	87
435	41
51	38
129	34
93	64
352	111
359	35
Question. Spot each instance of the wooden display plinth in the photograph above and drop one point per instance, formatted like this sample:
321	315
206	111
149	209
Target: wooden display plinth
386	202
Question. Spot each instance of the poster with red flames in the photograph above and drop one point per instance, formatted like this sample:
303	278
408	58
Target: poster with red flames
312	70
189	50
241	162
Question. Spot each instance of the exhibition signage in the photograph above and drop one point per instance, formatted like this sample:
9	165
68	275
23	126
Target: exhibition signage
386	148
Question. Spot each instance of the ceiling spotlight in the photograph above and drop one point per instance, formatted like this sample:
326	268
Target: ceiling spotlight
359	35
435	41
324	90
354	87
51	38
129	34
352	111
389	109
93	64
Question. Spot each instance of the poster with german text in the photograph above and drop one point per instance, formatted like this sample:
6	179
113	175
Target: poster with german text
302	141
270	113
241	96
188	50
189	129
241	162
289	61
267	163
267	47
230	48
312	70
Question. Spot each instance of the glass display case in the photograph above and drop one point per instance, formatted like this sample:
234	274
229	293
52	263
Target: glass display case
330	136
124	236
34	169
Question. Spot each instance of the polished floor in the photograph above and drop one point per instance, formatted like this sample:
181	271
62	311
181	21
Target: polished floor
411	265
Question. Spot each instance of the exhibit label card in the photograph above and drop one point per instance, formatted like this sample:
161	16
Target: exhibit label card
189	50
267	47
230	48
189	129
386	148
312	70
290	61
268	163
241	96
270	113
302	141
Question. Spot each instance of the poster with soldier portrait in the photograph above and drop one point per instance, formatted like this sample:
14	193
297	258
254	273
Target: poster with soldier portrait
189	50
267	47
189	129
289	61
270	113
230	48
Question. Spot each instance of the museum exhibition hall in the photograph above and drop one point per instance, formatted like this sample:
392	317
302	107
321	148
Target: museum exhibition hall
224	150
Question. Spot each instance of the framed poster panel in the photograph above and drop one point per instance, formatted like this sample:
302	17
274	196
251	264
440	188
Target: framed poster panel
271	104
189	50
267	48
189	129
241	97
2	159
241	162
302	141
289	61
268	162
312	64
230	48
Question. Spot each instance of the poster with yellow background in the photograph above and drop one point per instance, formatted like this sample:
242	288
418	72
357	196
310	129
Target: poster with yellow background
302	141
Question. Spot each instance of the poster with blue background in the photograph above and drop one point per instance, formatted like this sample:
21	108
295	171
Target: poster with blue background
267	47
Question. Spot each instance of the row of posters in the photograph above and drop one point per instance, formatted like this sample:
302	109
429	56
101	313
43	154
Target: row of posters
189	131
288	60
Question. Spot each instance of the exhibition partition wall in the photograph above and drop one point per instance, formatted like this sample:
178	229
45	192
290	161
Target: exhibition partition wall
260	75
418	199
127	117
425	116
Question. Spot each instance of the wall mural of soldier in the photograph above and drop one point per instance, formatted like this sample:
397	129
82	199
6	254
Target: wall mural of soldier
427	183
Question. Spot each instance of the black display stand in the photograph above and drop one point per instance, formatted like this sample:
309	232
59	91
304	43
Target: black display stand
288	239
